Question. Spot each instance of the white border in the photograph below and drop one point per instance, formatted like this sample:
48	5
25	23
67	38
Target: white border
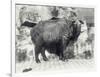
51	3
13	38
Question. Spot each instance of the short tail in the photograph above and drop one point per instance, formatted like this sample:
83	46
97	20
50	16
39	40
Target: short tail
28	24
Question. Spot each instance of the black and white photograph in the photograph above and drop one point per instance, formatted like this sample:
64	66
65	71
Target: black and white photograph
54	38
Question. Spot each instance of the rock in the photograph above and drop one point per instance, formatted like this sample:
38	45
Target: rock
27	69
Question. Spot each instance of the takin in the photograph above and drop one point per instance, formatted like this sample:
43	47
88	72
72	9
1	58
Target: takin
54	36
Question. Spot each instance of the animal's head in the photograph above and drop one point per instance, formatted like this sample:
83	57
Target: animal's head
77	22
80	23
75	29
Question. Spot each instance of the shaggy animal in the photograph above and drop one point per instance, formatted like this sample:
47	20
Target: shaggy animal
54	36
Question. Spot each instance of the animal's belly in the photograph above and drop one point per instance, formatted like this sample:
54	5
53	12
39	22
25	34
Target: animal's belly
51	47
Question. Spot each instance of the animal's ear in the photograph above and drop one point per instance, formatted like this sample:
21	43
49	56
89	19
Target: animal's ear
81	21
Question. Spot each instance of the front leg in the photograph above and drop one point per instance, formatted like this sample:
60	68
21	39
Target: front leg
60	52
63	46
61	57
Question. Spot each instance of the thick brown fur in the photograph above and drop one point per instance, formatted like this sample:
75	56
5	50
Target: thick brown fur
52	35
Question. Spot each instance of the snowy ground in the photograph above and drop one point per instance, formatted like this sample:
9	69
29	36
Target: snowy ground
56	65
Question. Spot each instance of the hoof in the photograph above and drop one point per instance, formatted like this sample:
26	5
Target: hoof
38	61
45	59
63	59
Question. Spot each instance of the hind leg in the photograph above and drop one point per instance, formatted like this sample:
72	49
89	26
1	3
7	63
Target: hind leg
43	55
38	48
37	51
